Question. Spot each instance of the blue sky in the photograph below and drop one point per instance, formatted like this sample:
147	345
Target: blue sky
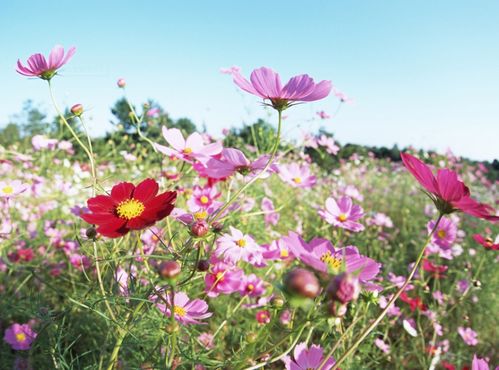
423	73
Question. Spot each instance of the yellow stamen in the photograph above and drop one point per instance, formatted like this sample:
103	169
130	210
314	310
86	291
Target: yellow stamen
187	151
179	311
20	337
130	208
331	261
342	217
297	180
8	189
201	215
250	287
219	276
284	253
204	199
241	243
441	233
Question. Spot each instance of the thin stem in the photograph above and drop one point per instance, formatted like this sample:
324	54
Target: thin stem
256	177
138	122
383	313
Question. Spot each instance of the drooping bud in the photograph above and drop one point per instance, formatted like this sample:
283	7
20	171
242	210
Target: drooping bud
121	83
77	110
203	265
91	232
344	288
302	282
217	227
169	269
200	228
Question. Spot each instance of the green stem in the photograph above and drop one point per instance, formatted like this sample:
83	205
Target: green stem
383	313
138	122
219	213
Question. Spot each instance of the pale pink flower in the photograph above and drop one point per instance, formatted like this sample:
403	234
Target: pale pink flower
343	213
479	364
329	144
38	66
187	149
271	217
382	345
297	176
445	234
207	340
40	142
9	189
237	246
234	161
469	336
185	311
307	358
230	70
323	115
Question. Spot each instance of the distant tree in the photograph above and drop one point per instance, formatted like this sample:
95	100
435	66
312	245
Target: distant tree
32	120
260	135
10	134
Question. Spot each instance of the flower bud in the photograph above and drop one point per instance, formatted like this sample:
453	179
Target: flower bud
217	227
200	228
77	110
277	302
121	83
344	288
337	309
203	265
263	317
91	233
302	282
169	269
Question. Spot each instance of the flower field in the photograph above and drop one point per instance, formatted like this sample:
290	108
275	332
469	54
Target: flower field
163	248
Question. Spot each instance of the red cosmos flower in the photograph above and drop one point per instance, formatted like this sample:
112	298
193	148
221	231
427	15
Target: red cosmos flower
486	242
436	270
447	192
129	207
414	303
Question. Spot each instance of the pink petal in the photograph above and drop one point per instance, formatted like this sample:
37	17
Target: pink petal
321	90
266	82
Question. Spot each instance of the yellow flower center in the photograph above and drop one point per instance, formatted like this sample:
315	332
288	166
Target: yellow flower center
241	243
187	151
20	337
179	311
204	199
130	208
201	215
342	217
219	276
297	180
8	189
441	233
251	287
331	261
284	253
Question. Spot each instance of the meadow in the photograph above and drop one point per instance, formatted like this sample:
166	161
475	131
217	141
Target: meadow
270	254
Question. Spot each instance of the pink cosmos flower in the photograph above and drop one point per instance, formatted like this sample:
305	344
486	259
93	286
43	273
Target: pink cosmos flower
276	250
185	311
322	256
323	115
9	189
380	219
187	149
446	233
19	336
446	191
40	142
231	70
329	144
479	364
207	340
382	345
469	336
297	176
266	84
271	217
233	161
202	198
237	246
307	359
341	95
38	66
222	278
343	214
252	286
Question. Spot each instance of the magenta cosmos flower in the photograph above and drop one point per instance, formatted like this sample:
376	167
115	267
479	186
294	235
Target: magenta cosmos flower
19	336
237	246
297	176
446	232
202	198
343	213
185	311
233	161
38	66
322	256
222	279
307	358
479	364
266	84
446	191
187	149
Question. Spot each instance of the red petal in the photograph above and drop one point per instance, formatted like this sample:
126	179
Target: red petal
101	203
146	190
122	191
421	172
99	218
113	229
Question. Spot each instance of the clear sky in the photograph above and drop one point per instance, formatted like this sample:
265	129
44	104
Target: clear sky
421	72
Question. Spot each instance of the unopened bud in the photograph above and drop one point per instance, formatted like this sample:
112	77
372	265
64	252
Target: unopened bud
91	233
77	109
217	227
344	288
203	265
337	309
200	228
121	83
169	269
302	282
